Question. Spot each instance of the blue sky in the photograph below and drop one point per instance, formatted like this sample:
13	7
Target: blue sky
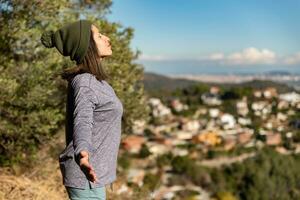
213	36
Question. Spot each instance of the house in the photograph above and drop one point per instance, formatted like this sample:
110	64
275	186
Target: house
164	141
211	124
209	138
138	127
211	99
289	134
282	104
157	149
280	128
136	176
164	127
133	143
282	150
273	139
281	116
124	189
190	125
290	97
158	109
214	112
183	135
268	125
178	106
244	121
214	90
244	137
228	121
257	93
200	111
270	92
229	132
179	151
229	143
261	108
242	107
166	193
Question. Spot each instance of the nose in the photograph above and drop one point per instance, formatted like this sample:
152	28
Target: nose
107	38
108	41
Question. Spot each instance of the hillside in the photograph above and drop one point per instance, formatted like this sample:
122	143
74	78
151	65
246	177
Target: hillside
155	83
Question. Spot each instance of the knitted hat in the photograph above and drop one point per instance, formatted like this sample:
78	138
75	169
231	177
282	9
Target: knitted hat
70	40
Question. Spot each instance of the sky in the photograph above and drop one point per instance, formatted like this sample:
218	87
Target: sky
213	36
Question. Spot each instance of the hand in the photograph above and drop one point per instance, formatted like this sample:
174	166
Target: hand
85	166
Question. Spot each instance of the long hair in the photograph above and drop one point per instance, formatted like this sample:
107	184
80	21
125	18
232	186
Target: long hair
90	64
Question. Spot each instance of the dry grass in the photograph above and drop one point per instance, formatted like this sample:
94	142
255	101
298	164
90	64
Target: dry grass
43	181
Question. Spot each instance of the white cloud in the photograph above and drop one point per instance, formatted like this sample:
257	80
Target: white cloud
293	59
253	56
248	56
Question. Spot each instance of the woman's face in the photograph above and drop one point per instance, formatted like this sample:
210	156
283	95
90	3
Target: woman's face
102	42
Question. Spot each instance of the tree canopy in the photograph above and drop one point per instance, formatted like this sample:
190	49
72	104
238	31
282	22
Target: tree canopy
32	98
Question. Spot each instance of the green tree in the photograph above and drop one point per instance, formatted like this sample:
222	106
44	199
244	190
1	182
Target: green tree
268	175
32	99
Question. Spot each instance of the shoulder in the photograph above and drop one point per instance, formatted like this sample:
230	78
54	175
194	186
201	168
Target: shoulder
82	85
81	80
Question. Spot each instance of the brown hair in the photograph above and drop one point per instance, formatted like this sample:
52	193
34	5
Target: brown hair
90	64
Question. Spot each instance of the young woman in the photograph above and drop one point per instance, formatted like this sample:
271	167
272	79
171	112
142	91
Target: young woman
93	112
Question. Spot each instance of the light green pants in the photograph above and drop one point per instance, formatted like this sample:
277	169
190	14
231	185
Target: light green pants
87	193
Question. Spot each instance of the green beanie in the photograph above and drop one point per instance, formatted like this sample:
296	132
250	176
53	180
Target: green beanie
70	40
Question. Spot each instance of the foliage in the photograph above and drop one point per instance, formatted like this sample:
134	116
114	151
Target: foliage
222	195
124	160
144	151
151	181
33	95
269	175
163	160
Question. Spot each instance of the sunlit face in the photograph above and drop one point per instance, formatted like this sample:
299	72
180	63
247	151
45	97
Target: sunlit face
102	42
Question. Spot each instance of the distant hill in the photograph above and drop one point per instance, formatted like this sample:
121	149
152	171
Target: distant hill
260	84
277	72
153	81
157	83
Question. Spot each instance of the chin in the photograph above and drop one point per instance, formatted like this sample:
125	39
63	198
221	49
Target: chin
106	55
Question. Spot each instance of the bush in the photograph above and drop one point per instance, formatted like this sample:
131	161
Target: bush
268	175
180	164
124	160
151	181
163	160
144	152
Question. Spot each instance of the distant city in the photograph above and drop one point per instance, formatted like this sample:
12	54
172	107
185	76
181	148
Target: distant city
277	76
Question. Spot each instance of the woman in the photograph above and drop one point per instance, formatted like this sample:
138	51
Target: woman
93	111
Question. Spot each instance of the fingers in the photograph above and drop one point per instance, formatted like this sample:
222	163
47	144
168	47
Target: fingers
89	171
93	176
92	173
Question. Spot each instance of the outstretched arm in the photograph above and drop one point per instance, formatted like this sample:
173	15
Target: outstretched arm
85	102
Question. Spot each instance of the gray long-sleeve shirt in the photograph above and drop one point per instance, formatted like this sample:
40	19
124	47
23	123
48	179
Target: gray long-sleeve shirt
93	124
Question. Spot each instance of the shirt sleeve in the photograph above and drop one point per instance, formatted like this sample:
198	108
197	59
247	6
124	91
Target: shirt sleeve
85	101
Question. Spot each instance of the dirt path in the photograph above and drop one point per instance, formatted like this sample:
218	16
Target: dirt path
218	162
